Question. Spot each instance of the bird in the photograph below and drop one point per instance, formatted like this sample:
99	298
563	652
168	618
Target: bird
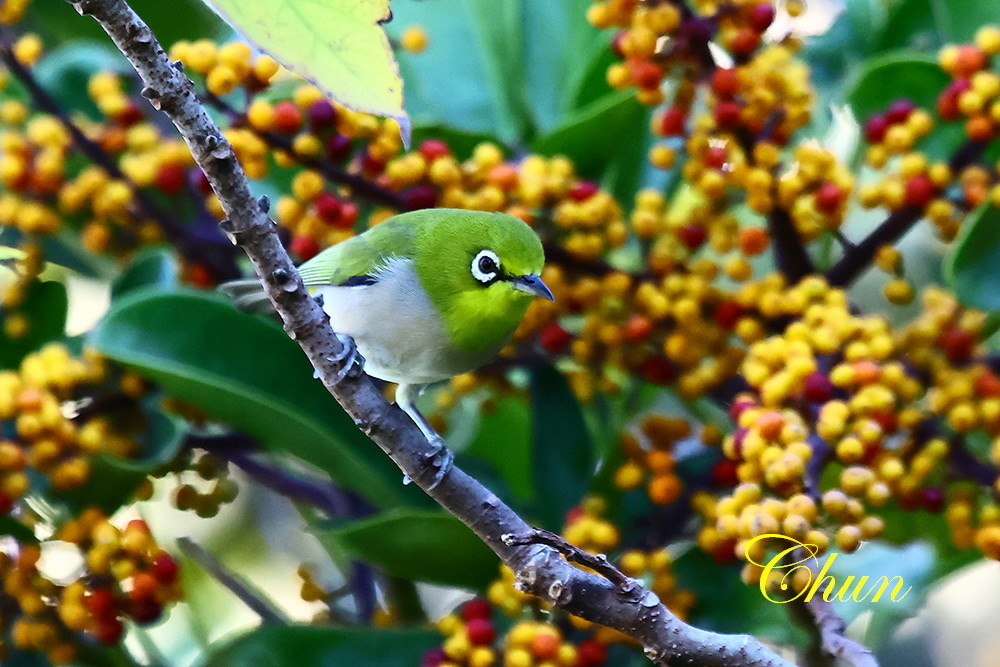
422	297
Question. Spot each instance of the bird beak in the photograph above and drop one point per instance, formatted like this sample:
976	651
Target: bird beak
532	284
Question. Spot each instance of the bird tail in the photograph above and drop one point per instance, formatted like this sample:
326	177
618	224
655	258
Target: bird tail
247	295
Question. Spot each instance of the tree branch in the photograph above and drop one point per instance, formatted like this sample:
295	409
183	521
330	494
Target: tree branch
215	255
830	646
540	570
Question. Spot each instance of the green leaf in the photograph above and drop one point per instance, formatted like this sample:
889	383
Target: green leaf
562	448
971	268
307	646
605	140
151	267
44	306
338	46
905	74
244	371
504	441
113	481
419	545
11	526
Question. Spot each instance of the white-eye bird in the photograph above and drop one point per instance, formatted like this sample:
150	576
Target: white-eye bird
425	295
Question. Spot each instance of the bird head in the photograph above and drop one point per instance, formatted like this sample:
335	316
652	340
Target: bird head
481	270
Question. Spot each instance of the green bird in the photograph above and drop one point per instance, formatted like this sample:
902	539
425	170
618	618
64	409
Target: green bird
424	296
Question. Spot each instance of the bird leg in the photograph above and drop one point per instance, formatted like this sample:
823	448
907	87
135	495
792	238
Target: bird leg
441	457
350	360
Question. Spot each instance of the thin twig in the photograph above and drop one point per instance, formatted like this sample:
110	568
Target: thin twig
246	592
829	645
598	563
540	570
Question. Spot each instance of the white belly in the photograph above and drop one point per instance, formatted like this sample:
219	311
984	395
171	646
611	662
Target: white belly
397	328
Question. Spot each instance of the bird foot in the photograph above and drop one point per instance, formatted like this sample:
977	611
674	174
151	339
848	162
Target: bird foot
351	362
441	458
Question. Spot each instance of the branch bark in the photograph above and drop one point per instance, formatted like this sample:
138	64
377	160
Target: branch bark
540	569
830	646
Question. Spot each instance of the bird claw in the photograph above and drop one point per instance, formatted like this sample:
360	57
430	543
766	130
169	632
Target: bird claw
441	458
350	360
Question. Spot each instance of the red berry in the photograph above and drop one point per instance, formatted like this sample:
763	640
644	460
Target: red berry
727	114
933	500
739	435
144	586
480	632
583	190
432	149
102	604
715	157
817	388
728	313
328	208
590	653
761	16
305	247
338	148
420	196
433	657
145	610
645	74
171	179
616	43
899	111
875	128
6	503
987	384
744	42
200	275
725	553
476	608
322	115
725	82
130	115
573	515
137	525
920	190
724	473
672	122
957	344
887	420
693	236
554	339
637	329
948	100
372	165
109	631
737	408
658	370
828	197
287	118
165	568
348	214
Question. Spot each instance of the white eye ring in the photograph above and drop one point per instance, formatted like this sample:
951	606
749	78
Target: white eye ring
485	266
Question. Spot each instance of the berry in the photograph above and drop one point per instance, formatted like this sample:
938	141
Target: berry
725	82
875	128
638	329
322	115
109	631
480	631
761	16
657	370
728	313
899	111
920	191
828	197
817	388
328	208
693	236
420	196
101	603
583	190
432	149
957	344
476	608
305	247
338	148
646	75
672	122
145	610
724	473
287	118
165	569
171	179
715	157
727	114
554	339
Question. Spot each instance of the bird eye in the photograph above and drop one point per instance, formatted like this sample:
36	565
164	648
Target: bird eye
485	266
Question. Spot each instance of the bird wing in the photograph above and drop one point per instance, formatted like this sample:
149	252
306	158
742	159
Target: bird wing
359	260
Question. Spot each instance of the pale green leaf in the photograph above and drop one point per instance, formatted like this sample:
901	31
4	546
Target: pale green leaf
337	45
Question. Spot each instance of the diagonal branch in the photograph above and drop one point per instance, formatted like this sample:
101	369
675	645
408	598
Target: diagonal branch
540	569
830	646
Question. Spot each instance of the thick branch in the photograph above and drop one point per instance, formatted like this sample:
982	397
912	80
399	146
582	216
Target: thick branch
540	569
216	256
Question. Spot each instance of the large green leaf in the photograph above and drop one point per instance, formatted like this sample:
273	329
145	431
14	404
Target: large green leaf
339	46
244	371
418	545
44	306
306	646
504	441
154	266
606	141
971	267
563	452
